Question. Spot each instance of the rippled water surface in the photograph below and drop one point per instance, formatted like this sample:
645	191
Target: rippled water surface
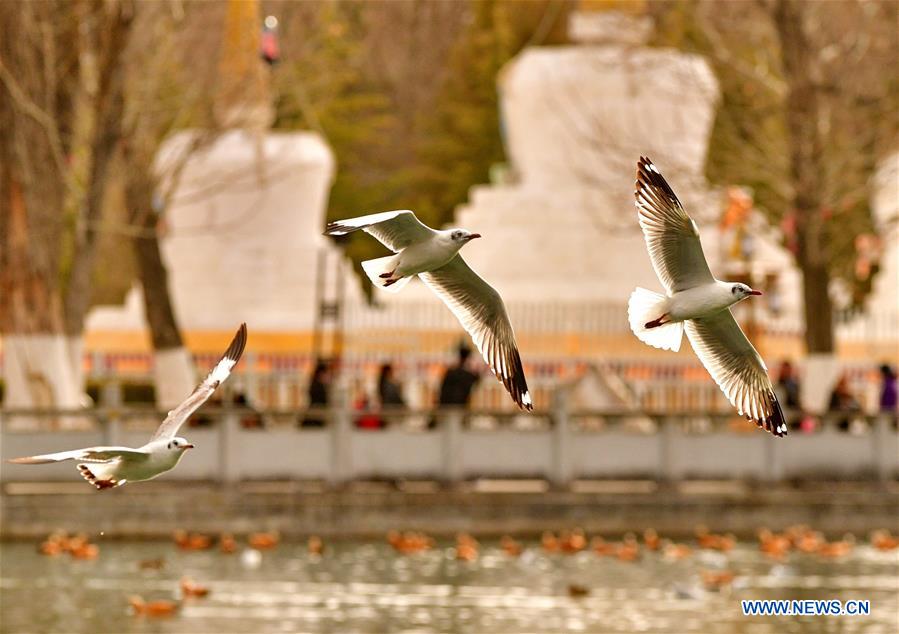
366	587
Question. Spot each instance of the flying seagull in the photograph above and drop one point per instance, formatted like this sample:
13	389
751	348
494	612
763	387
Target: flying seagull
434	256
108	467
698	302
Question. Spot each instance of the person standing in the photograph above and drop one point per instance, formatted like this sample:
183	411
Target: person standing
888	396
458	382
788	393
843	400
390	392
788	383
319	386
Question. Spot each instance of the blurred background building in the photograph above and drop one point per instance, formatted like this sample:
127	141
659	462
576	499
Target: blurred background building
520	121
241	232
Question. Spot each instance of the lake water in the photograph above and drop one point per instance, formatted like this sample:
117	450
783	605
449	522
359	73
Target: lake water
366	587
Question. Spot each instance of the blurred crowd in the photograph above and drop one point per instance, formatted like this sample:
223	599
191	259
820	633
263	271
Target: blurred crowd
456	387
843	401
385	403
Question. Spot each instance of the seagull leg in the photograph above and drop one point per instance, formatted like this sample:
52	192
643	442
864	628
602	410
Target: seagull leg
655	323
387	275
105	484
99	483
391	281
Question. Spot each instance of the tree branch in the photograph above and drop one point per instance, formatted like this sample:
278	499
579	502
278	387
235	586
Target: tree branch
26	105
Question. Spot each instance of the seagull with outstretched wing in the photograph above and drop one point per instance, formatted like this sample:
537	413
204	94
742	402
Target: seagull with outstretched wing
697	302
108	467
434	256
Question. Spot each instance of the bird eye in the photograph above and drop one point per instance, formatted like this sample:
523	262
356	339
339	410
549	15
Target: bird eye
734	290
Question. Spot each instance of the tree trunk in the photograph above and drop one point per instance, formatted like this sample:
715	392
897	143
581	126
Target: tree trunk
818	309
174	376
36	370
806	172
108	111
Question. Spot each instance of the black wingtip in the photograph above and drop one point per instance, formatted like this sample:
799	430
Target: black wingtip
235	350
645	165
517	385
650	181
776	423
337	228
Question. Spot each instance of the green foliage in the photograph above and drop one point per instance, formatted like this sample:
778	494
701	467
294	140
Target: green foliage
398	146
327	88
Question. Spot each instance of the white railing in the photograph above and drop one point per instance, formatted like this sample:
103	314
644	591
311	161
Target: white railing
559	445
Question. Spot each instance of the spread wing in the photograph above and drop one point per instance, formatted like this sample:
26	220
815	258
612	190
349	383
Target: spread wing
178	416
396	230
737	369
482	313
89	454
671	235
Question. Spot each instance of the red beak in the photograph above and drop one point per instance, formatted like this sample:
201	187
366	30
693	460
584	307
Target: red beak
189	446
755	292
474	235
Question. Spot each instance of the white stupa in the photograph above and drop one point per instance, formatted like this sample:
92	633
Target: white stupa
559	224
576	119
243	230
885	205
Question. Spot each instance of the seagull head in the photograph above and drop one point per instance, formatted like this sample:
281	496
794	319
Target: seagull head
178	444
462	236
741	291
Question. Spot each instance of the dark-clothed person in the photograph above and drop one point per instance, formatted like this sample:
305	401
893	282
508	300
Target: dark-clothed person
458	382
788	392
788	381
319	386
843	400
389	389
888	396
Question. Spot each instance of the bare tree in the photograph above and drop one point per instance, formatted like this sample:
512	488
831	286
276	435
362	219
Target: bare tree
39	66
106	29
170	85
807	114
107	36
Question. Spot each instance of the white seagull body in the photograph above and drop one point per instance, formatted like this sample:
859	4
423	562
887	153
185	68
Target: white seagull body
107	467
697	302
434	256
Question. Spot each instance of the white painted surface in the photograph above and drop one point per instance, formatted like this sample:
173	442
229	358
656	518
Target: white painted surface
576	118
173	376
396	453
243	234
75	353
38	373
885	206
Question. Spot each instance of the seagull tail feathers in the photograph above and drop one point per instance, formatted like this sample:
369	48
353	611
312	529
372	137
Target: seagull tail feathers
98	477
374	269
645	306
